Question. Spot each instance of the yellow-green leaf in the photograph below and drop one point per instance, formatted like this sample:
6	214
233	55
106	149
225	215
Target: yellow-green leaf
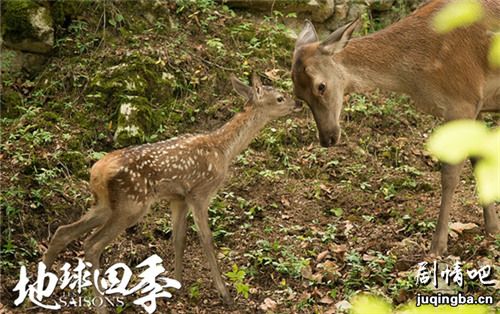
494	54
363	304
455	141
457	13
487	173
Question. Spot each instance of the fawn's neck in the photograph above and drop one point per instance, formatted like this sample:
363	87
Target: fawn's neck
237	134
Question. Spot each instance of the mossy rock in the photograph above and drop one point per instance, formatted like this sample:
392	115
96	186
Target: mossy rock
137	76
135	121
120	78
10	103
75	162
27	26
16	23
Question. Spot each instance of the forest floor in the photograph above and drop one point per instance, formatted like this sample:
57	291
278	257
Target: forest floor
298	228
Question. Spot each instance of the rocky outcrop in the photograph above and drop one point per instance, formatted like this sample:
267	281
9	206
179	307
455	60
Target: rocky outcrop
130	89
27	33
318	10
330	13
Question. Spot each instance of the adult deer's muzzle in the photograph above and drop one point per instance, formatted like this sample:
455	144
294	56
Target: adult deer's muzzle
329	137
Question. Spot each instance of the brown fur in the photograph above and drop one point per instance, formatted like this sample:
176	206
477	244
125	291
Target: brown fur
186	171
447	75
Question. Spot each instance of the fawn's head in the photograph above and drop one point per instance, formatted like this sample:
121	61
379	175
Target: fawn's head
268	100
319	80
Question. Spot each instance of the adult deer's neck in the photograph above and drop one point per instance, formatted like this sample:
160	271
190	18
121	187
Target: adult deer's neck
374	61
237	134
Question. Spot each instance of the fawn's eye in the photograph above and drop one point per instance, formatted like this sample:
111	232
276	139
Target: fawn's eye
280	99
322	88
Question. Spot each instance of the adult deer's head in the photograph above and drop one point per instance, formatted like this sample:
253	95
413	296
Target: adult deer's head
319	80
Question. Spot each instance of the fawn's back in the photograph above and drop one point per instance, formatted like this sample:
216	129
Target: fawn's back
166	169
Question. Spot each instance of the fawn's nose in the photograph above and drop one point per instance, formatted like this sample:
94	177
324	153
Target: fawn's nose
298	105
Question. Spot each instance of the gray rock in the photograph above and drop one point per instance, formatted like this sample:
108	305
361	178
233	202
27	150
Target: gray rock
321	10
380	5
27	27
16	61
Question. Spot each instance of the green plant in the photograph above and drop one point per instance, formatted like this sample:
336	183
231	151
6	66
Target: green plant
457	140
237	277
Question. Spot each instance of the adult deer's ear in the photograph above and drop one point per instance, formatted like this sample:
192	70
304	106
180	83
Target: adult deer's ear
257	85
241	88
339	38
307	35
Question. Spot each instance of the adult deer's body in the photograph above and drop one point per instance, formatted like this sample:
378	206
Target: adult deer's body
186	171
447	75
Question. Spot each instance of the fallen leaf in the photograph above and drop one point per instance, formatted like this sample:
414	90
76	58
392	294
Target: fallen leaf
368	257
317	277
306	272
285	202
321	256
273	74
460	227
326	300
348	227
268	305
331	310
338	248
343	305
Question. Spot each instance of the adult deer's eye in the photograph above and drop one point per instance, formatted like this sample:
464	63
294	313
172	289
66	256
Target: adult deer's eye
321	88
280	99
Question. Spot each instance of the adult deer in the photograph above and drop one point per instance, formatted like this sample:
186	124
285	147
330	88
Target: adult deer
447	75
186	171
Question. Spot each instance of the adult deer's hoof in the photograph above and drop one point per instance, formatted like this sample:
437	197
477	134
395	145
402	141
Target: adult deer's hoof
438	248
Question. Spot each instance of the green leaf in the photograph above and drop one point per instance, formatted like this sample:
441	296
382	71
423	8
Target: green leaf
363	304
242	289
456	140
494	54
487	172
237	275
458	13
337	211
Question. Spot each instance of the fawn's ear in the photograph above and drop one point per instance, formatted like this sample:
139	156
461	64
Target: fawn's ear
241	88
257	86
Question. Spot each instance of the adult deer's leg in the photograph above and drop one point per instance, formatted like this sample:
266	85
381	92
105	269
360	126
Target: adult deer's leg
200	215
491	224
65	234
179	224
450	175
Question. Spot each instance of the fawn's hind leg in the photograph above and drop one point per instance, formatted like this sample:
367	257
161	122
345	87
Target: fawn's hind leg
95	217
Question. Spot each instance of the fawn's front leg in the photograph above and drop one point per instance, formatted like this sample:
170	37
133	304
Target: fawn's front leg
179	225
200	215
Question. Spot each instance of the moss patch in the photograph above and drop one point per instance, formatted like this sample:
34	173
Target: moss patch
135	121
75	162
16	24
10	103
